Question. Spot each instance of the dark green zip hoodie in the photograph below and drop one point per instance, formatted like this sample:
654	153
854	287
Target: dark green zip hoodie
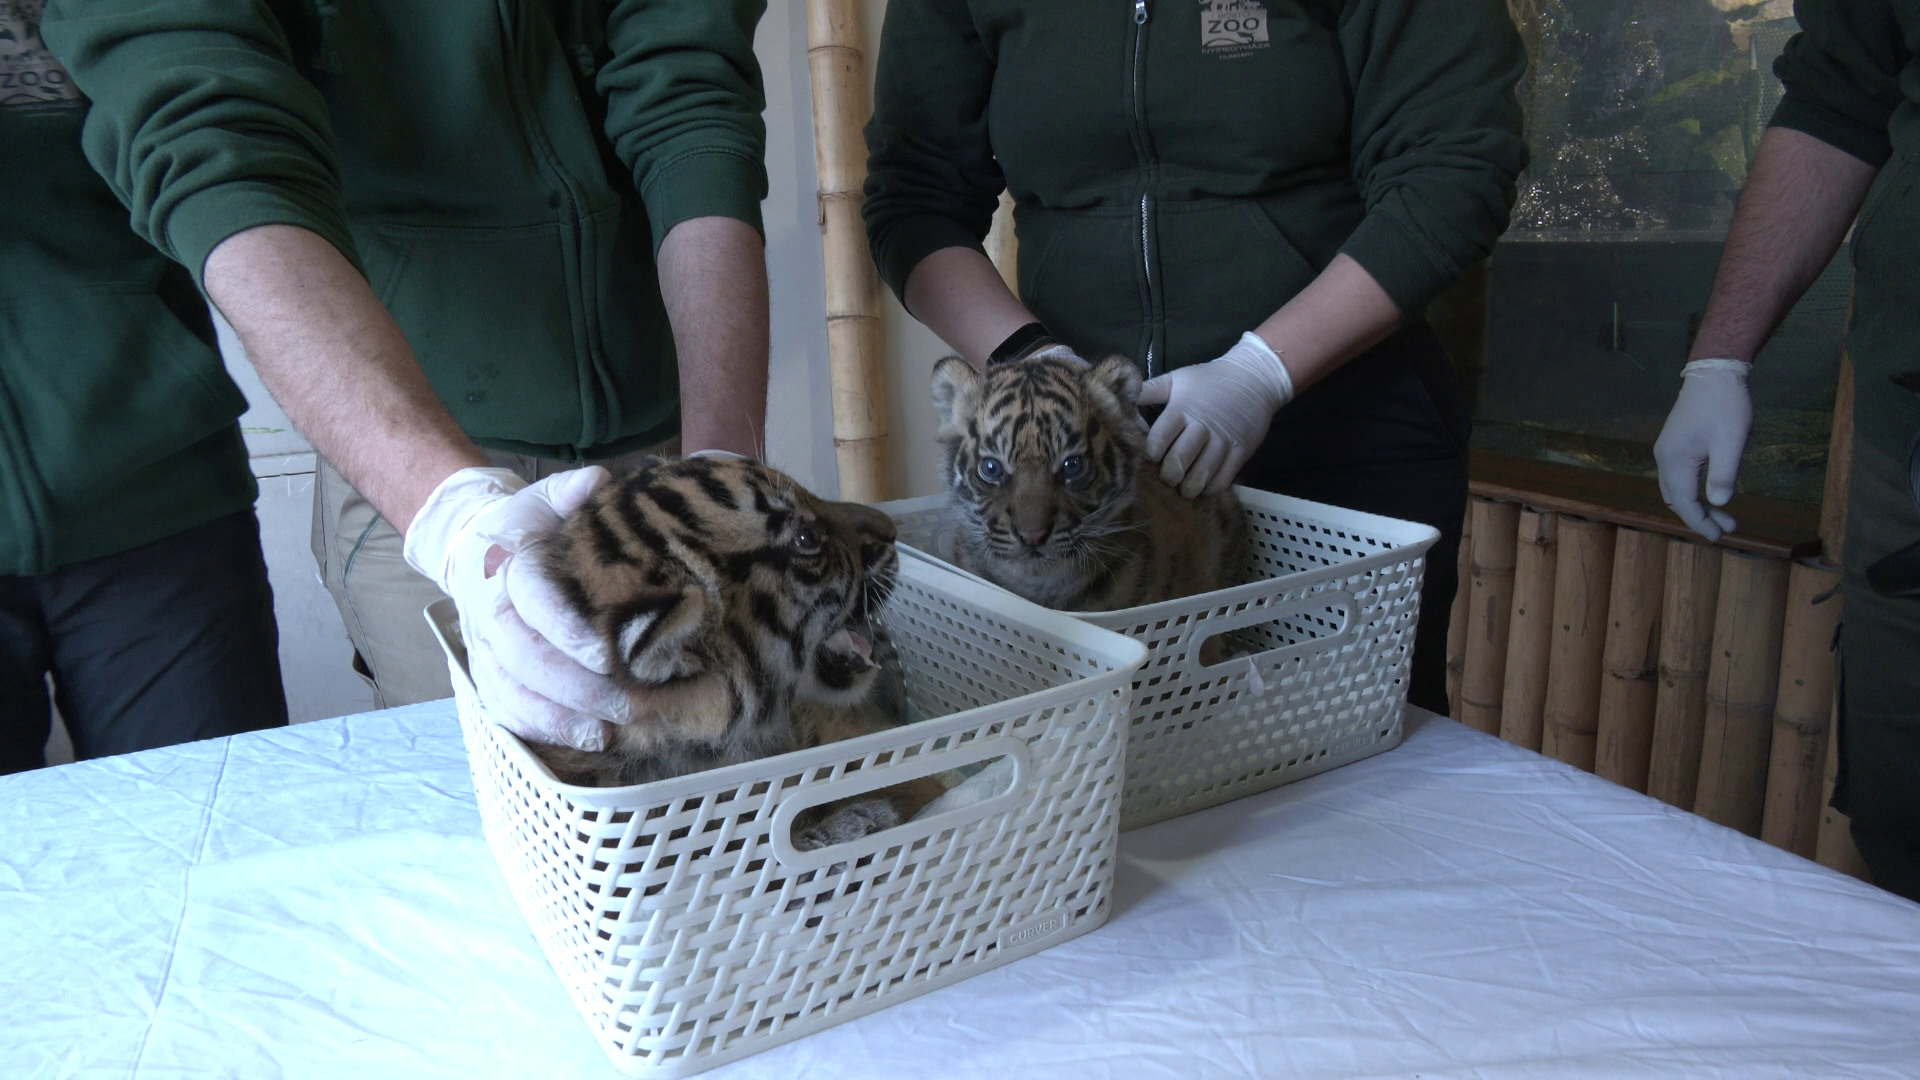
1852	76
1182	168
116	415
503	172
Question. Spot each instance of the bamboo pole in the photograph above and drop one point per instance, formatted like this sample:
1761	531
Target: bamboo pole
1833	500
1002	246
1523	690
1802	711
1834	848
1742	680
1631	663
1686	649
1488	587
1582	576
1457	619
842	102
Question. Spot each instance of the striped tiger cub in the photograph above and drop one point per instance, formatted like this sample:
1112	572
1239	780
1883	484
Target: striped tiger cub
737	606
1047	495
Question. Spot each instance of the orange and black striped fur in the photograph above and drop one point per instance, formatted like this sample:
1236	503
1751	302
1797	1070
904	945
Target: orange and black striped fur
736	606
1049	496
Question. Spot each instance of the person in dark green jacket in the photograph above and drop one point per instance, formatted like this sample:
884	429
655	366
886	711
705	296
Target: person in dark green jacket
130	562
1846	132
531	226
1254	199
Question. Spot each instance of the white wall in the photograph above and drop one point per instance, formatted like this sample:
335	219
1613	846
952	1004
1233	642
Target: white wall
314	654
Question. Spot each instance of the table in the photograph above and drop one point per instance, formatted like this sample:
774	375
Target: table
318	901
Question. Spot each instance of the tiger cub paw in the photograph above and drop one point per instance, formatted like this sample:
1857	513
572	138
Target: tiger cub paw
850	821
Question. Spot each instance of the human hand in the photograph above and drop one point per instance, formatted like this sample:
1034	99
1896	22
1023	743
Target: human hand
1708	426
540	669
1216	415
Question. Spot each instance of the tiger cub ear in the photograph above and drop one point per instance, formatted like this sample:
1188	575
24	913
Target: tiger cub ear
956	394
1117	378
651	635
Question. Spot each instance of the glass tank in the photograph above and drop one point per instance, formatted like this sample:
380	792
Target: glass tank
1642	117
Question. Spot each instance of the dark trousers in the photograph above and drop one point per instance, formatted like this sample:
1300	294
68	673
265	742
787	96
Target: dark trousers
1385	434
167	643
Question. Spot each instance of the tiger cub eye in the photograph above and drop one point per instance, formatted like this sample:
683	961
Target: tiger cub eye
991	470
1074	467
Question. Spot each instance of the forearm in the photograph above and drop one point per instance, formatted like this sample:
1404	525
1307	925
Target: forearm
713	277
959	295
335	360
1799	201
1338	316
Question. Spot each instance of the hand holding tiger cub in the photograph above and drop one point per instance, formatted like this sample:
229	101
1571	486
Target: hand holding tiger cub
540	668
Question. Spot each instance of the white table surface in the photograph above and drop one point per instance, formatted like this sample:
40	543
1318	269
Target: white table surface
318	901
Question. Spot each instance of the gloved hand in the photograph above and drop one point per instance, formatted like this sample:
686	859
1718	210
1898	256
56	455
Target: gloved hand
1707	426
541	671
1216	415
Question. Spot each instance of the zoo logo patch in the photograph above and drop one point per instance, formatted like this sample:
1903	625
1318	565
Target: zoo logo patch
1230	28
29	75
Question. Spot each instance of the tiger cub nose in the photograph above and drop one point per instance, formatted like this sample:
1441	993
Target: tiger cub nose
1033	537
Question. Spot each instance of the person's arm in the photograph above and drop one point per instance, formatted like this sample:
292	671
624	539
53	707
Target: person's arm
1436	152
1825	143
334	359
684	105
960	296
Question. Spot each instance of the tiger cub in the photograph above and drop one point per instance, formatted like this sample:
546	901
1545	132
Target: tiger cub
1049	497
737	608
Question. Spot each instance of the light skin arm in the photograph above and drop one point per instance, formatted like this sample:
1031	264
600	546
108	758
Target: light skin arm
338	364
713	278
959	295
1796	208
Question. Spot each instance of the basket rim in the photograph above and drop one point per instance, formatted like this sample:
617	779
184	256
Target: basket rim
1124	656
1410	539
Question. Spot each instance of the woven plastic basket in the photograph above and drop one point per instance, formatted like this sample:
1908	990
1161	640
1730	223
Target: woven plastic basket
1320	638
691	932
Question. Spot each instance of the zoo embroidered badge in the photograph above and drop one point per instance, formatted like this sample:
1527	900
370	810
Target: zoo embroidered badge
1232	27
28	75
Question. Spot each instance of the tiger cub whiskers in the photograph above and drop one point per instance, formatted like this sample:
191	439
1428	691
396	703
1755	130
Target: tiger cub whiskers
1049	495
738	608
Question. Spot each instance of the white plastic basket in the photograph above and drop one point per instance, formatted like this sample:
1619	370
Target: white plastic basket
691	932
1323	632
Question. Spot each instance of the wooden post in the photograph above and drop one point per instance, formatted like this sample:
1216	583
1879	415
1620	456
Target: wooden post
1002	247
1686	648
842	102
1523	691
1835	849
1488	588
1631	666
1802	710
1581	583
1741	682
1457	619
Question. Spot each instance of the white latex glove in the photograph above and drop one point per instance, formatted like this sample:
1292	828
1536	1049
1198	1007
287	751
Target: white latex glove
1707	426
1216	415
538	667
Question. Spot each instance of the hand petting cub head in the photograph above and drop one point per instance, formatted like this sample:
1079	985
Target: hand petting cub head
1041	453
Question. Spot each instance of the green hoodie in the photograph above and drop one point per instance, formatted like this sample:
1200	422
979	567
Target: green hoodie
116	415
503	173
1181	168
1852	76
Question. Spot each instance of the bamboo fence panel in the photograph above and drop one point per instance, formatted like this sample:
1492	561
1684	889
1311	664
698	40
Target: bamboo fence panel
1631	664
1582	576
1523	693
1488	587
1834	846
1742	679
1802	711
842	103
1686	651
1457	618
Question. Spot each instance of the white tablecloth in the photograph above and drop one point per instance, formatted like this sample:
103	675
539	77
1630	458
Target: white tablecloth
317	901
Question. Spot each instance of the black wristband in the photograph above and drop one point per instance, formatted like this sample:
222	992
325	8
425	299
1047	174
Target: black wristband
1020	344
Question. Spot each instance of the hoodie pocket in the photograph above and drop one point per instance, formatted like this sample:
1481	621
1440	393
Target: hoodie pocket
1224	268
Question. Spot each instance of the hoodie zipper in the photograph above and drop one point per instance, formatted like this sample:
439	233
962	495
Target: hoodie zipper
1140	15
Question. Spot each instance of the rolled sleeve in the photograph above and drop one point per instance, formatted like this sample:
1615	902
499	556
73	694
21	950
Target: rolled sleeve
1842	76
684	108
1437	147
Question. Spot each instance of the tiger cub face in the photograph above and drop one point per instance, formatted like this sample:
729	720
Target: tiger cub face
725	592
1041	458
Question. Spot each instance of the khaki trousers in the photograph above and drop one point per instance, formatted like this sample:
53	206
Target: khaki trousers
381	598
